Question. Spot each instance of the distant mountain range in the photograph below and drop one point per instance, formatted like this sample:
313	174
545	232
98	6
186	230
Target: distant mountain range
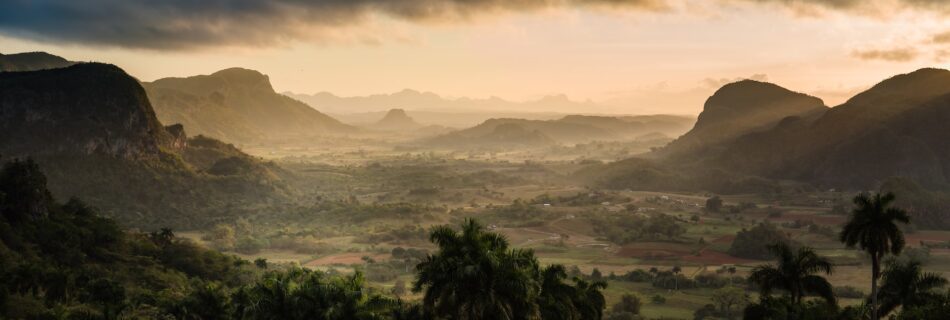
93	130
238	105
427	101
571	129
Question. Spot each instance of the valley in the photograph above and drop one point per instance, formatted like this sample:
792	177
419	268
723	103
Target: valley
218	185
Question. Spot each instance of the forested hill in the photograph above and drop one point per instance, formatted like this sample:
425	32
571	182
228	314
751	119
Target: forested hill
85	109
740	108
238	106
93	128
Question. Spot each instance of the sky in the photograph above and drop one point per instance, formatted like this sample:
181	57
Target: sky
635	56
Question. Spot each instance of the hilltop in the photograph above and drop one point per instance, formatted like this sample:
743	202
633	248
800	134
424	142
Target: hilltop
239	106
93	129
32	61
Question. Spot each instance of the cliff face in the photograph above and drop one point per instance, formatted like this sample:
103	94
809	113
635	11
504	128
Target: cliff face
87	108
92	129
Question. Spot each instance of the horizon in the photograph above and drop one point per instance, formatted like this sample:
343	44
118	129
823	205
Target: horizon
475	159
634	57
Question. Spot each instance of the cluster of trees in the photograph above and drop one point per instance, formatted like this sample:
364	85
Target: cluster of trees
63	261
623	229
874	228
751	243
476	275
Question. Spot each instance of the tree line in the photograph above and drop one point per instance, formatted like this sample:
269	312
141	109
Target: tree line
65	261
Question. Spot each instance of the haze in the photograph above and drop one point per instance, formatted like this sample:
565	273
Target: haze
631	56
475	159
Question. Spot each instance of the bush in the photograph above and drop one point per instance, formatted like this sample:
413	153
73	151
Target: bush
753	243
629	303
673	282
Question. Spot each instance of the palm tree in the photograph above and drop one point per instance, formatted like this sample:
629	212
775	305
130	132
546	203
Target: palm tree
795	273
873	227
676	270
905	284
590	301
273	296
476	276
556	300
208	302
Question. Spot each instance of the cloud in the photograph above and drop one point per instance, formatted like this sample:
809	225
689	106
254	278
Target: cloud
858	7
182	24
896	55
943	37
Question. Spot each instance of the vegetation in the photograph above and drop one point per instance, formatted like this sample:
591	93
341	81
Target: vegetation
795	273
475	275
873	227
753	243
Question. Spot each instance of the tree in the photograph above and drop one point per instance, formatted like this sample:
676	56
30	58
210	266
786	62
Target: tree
596	274
109	295
628	303
714	204
905	284
260	263
590	300
476	276
794	273
23	186
752	243
559	300
730	299
676	270
873	227
207	302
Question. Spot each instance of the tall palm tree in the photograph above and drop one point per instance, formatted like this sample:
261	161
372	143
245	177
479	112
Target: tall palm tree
557	298
873	228
590	301
906	284
795	273
476	276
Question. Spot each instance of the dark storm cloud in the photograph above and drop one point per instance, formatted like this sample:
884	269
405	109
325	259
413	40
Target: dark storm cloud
176	24
863	5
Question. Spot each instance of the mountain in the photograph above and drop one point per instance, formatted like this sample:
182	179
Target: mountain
31	61
503	135
396	120
897	128
57	111
418	101
92	127
892	129
448	119
577	128
743	107
238	105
